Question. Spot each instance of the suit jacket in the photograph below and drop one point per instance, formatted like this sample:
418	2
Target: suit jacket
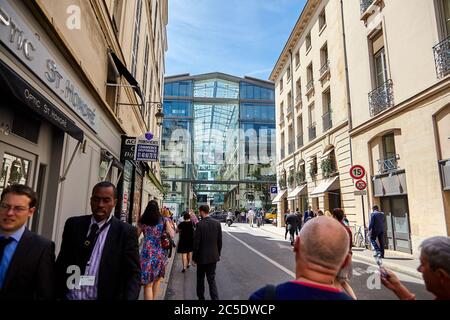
119	273
207	241
376	225
31	273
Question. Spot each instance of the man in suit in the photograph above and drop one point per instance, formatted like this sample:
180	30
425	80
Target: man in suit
99	257
207	248
376	231
308	214
27	261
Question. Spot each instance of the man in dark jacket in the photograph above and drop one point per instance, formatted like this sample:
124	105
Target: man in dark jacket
207	248
292	222
99	256
376	230
27	261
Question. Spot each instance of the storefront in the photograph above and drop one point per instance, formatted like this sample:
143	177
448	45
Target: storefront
53	130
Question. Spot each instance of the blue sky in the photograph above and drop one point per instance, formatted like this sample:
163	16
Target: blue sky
238	37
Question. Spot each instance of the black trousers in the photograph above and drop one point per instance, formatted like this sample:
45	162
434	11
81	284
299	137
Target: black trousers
210	271
379	248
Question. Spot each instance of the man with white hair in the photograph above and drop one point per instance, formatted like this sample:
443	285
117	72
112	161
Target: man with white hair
435	269
321	250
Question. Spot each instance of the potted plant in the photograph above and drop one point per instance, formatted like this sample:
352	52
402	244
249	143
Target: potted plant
327	167
282	183
300	177
313	171
291	180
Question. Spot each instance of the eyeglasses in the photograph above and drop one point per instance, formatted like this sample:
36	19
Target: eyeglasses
16	209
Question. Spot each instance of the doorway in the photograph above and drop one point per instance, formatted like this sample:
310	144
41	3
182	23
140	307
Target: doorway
398	235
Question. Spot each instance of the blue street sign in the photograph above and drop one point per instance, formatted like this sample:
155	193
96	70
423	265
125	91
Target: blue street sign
273	189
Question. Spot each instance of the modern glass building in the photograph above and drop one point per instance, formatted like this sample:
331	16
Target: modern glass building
218	141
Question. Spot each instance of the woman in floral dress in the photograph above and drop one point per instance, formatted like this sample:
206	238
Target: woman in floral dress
153	256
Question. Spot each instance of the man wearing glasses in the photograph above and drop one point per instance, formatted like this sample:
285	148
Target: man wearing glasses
27	261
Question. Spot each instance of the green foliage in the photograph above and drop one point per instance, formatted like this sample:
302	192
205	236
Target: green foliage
328	167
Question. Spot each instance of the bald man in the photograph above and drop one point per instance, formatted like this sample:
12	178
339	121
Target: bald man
321	250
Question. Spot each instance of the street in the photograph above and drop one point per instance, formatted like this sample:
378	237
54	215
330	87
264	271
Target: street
254	257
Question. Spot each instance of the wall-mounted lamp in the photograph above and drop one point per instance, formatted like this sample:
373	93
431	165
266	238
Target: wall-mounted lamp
159	114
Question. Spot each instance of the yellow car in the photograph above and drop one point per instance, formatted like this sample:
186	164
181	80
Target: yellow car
270	216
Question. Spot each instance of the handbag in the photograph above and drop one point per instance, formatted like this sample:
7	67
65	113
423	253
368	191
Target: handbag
166	242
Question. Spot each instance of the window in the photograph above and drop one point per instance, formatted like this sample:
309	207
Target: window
117	15
313	166
312	118
297	58
298	91
137	27
289	103
308	42
281	84
322	20
379	60
324	55
444	13
288	73
310	78
282	108
145	71
326	118
154	20
389	146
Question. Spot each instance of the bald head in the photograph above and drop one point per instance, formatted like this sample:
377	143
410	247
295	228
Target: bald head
324	242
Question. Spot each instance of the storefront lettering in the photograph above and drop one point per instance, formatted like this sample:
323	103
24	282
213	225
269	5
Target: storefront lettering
43	107
16	36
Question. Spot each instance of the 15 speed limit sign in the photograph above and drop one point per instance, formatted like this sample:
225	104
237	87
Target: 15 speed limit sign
357	172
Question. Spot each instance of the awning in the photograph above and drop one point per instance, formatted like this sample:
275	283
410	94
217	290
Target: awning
327	153
279	196
325	185
127	74
299	190
16	88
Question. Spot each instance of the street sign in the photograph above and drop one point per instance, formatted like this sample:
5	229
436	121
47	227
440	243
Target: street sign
273	189
146	149
360	193
357	172
360	185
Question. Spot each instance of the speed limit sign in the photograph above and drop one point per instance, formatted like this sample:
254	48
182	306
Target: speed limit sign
357	172
360	185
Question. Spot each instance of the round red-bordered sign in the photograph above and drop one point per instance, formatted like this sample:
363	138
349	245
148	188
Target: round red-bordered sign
357	172
360	185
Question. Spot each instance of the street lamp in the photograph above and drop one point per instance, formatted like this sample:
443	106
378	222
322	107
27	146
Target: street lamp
159	115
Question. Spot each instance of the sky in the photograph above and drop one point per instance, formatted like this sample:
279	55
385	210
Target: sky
237	37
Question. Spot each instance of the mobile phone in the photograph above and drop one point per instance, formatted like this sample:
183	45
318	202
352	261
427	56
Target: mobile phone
383	272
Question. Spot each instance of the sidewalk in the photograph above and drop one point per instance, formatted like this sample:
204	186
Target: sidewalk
394	260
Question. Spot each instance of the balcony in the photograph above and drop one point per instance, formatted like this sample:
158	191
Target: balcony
300	140
442	58
291	147
381	99
312	132
444	166
324	70
326	121
298	100
365	4
309	86
282	153
388	165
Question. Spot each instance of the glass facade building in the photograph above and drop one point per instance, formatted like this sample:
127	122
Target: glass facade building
218	141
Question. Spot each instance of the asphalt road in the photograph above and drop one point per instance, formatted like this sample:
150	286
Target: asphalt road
252	258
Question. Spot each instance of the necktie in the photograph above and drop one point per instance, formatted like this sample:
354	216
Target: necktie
3	243
88	246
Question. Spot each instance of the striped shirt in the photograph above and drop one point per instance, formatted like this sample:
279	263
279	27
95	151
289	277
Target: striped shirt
93	265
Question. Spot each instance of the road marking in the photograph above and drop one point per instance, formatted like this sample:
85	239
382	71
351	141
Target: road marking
279	266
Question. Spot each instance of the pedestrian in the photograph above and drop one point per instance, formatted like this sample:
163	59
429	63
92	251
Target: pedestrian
169	216
153	256
237	215
435	269
193	217
27	261
243	216
320	213
300	221
186	241
307	214
286	226
346	222
321	251
104	249
251	217
207	249
263	215
345	274
376	231
292	223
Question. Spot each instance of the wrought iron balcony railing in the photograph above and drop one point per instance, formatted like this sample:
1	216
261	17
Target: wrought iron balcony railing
325	68
312	132
291	147
300	140
310	85
388	164
365	4
326	121
442	58
381	98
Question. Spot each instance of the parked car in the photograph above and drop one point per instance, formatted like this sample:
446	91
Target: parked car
271	216
219	216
